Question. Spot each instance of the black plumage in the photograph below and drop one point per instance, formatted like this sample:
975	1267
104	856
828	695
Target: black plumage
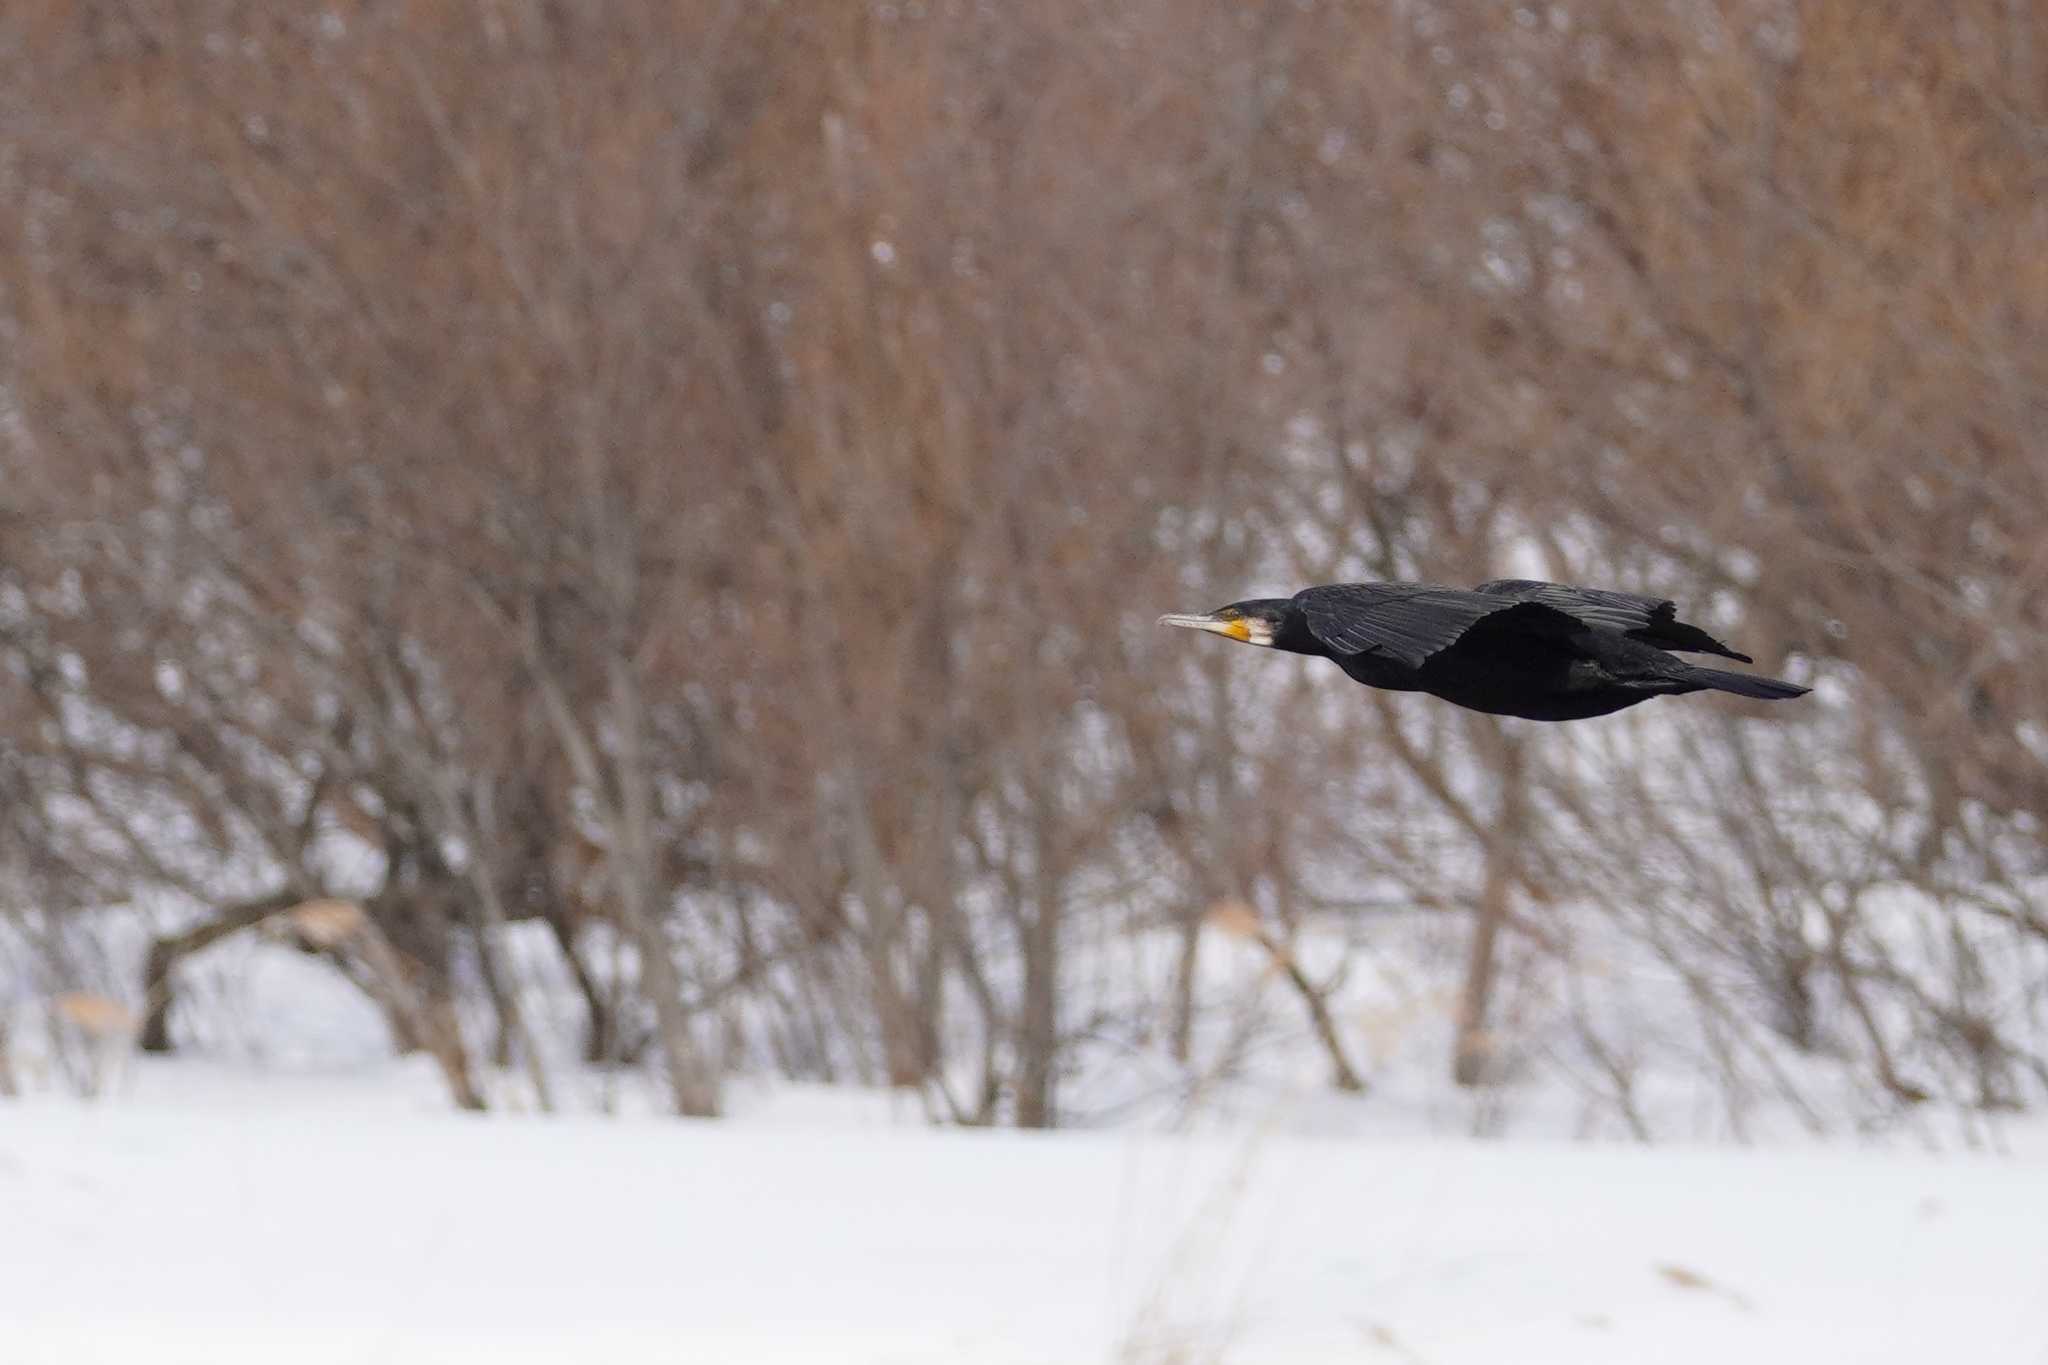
1511	647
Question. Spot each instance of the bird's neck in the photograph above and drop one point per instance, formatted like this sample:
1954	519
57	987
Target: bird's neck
1292	634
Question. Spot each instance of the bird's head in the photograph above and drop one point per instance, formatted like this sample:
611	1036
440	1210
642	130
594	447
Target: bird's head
1260	621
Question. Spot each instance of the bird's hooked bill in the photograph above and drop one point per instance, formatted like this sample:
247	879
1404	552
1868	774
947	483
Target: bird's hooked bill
1234	628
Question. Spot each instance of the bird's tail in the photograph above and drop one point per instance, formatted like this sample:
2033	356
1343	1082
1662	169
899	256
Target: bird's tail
1744	684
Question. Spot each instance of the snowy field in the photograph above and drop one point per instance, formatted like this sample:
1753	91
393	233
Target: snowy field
289	1193
206	1215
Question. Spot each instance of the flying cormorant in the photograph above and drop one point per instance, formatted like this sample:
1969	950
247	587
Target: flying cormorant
1512	647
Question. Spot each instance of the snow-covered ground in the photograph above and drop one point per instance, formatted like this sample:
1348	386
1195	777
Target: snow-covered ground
208	1214
286	1192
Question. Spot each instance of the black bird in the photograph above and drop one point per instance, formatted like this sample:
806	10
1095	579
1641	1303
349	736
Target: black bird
1512	647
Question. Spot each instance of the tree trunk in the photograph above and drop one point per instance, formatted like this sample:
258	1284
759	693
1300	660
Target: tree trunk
1038	1042
1038	1029
441	1027
600	1039
883	917
631	864
692	1086
1181	1027
499	992
514	1037
158	986
1343	1074
1475	1047
419	998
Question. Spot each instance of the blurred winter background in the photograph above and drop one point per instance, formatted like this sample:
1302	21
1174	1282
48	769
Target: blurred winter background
592	563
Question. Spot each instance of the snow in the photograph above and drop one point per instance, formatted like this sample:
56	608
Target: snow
213	1214
283	1190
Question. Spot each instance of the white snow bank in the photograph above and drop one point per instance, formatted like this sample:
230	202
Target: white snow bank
293	1224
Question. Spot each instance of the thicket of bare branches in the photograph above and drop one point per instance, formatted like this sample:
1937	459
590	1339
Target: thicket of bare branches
699	476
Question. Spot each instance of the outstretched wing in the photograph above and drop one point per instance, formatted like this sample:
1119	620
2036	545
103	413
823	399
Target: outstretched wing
1404	621
1653	620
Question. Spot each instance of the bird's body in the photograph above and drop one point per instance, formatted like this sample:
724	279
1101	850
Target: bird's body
1512	647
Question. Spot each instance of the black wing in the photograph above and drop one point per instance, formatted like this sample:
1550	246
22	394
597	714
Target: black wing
1404	621
1653	620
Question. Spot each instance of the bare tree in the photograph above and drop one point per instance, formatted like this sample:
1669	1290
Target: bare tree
700	475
